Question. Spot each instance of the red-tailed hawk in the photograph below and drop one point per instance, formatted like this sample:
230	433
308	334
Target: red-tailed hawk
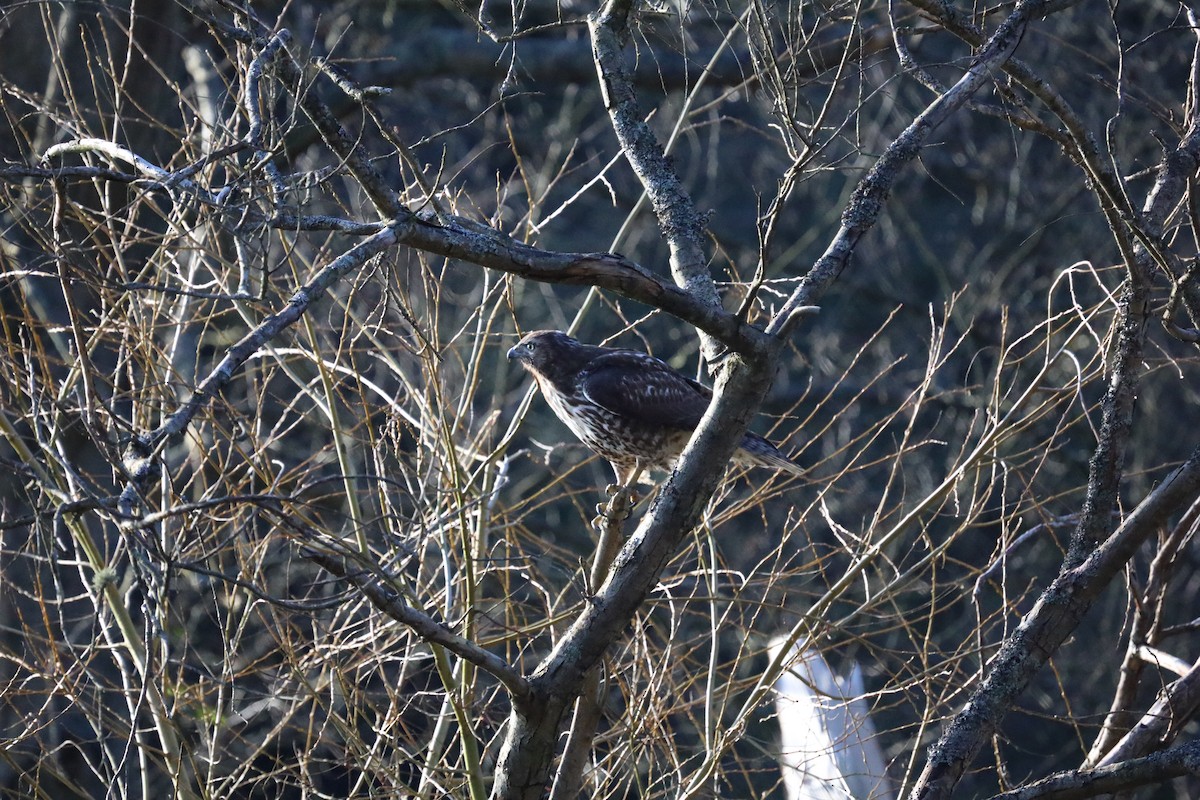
630	407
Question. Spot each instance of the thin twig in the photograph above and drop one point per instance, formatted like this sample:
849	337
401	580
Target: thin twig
387	600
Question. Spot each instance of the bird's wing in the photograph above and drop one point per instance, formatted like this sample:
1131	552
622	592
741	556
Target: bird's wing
643	388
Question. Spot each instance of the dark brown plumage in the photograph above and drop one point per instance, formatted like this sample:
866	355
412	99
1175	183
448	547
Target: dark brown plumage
630	407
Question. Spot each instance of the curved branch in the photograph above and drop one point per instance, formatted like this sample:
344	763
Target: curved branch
386	600
487	247
474	243
678	219
1176	706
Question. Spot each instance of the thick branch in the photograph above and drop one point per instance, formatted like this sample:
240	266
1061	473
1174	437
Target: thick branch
1108	461
1123	776
675	512
678	219
116	152
1175	707
17	173
488	247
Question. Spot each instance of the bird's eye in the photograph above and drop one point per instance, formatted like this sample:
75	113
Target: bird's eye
529	346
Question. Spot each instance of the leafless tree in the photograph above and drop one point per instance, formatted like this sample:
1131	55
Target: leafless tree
279	520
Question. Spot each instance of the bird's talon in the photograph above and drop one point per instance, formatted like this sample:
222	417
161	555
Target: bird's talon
613	489
611	513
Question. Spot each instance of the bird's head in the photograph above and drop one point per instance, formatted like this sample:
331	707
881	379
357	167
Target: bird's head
538	350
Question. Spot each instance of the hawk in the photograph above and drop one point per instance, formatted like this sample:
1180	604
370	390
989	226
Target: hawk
629	407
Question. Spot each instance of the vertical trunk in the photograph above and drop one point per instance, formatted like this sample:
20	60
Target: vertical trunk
523	769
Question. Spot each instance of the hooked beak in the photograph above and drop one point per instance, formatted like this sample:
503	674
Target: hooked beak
514	352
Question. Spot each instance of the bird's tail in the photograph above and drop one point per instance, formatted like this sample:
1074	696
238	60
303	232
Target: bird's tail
758	452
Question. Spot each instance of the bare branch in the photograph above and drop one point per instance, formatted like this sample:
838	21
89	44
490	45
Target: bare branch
1042	631
680	222
479	244
589	708
533	727
1175	707
406	194
871	194
139	457
388	601
1062	605
1119	777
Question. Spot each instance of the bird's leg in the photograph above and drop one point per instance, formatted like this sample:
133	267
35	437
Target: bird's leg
614	490
610	524
626	480
622	498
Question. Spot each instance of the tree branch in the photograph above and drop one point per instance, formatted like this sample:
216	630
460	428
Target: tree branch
139	458
433	53
1043	630
1175	707
487	247
871	194
388	601
523	766
678	219
528	747
1119	777
589	708
468	241
1063	604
